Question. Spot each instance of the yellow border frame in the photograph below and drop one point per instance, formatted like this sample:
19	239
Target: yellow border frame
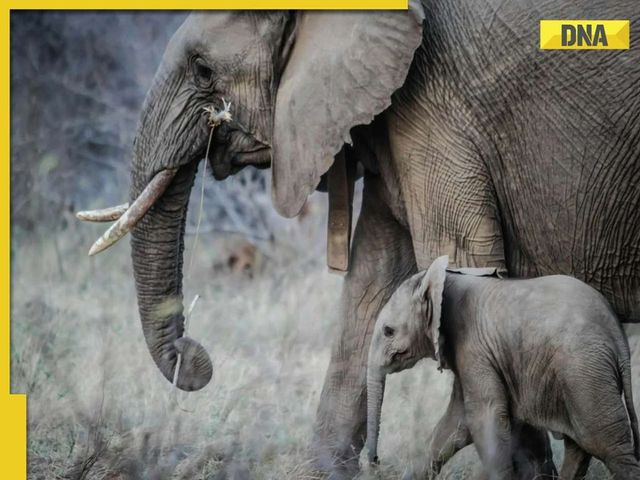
13	407
206	5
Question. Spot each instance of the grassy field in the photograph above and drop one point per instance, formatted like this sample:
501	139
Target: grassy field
99	409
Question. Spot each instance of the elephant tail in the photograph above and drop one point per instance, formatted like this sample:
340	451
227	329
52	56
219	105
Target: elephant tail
625	373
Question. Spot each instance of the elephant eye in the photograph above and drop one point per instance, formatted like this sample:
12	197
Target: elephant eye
202	72
388	331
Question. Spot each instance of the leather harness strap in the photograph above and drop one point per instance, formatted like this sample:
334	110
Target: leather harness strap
340	182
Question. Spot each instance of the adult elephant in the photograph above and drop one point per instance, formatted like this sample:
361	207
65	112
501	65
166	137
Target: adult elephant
474	144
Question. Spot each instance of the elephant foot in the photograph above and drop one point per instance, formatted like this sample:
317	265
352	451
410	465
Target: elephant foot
337	463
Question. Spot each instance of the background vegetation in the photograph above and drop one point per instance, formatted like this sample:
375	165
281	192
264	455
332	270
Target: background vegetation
98	407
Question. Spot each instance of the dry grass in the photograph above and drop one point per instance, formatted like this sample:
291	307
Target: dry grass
99	409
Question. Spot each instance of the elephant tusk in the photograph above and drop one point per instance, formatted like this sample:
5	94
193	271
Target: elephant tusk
109	214
128	216
135	212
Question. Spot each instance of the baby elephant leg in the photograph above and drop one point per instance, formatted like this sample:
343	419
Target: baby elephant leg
624	467
487	414
604	428
576	461
450	435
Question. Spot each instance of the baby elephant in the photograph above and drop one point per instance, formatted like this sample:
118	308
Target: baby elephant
547	352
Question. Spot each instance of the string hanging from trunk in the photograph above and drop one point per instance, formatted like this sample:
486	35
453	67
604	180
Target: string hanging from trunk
214	118
200	208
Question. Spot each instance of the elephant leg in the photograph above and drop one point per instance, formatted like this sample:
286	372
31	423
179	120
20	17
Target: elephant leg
625	467
532	454
382	257
601	424
576	461
487	414
450	435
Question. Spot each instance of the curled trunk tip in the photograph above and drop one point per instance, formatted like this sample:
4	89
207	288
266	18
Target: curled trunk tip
196	368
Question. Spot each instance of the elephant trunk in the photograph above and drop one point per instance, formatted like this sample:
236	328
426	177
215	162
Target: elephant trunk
375	394
157	254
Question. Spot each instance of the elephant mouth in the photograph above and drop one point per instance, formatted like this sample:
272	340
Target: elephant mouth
259	157
402	360
235	148
227	163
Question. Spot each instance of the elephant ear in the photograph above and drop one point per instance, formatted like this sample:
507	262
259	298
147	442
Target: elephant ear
341	72
430	290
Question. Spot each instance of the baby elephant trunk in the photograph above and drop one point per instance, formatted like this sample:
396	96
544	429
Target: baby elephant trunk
375	394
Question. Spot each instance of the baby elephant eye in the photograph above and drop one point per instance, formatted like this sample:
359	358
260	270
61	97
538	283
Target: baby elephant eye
388	331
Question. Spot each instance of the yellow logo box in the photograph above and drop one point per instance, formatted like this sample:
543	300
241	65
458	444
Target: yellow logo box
584	34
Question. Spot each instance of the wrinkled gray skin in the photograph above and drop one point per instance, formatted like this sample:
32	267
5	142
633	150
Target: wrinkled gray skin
489	150
547	352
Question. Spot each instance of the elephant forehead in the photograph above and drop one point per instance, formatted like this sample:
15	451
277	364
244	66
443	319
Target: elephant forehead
218	34
399	305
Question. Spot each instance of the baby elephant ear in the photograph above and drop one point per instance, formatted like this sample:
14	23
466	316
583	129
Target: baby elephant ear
431	289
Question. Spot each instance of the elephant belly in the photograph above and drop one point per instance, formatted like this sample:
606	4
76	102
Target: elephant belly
544	409
533	381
